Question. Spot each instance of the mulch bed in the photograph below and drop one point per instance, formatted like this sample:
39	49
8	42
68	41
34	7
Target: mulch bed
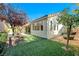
62	40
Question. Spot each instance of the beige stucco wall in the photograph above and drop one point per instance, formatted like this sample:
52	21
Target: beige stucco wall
39	32
2	26
47	33
52	33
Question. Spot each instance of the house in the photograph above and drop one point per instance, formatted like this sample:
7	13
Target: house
46	26
3	26
28	28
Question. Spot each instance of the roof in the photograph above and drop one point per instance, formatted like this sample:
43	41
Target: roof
41	18
44	17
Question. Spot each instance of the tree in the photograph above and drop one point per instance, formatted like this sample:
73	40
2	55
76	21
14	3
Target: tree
69	21
13	17
16	18
3	15
76	12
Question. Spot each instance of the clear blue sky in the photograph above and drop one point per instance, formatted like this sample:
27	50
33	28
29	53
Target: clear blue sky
36	10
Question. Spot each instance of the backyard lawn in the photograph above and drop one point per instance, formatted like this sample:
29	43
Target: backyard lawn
36	46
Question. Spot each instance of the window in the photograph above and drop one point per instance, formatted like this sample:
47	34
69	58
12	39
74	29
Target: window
37	26
41	27
57	26
33	26
54	26
51	25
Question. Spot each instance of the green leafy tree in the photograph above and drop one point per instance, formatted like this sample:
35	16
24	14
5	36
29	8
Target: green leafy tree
69	21
76	12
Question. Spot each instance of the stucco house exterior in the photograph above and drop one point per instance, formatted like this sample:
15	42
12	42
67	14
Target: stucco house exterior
3	26
46	26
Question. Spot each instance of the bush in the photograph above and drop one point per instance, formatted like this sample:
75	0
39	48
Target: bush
3	37
71	37
2	45
73	33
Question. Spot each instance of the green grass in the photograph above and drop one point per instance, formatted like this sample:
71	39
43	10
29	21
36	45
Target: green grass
3	39
36	46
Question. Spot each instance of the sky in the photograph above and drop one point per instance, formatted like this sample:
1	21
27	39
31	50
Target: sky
37	10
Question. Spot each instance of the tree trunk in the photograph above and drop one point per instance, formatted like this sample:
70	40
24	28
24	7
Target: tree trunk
13	30
68	35
10	42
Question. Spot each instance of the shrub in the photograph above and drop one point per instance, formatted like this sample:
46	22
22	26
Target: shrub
2	45
3	37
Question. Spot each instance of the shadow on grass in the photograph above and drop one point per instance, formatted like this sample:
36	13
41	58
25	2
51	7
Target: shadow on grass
32	38
38	46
